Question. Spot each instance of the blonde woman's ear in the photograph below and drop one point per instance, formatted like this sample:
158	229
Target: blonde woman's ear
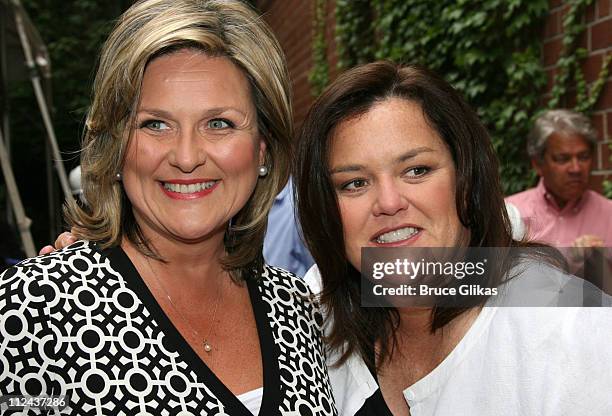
262	151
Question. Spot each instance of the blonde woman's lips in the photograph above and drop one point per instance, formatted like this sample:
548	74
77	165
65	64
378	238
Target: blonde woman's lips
188	188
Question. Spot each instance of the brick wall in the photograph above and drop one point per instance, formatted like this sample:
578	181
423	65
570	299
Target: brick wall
597	39
291	20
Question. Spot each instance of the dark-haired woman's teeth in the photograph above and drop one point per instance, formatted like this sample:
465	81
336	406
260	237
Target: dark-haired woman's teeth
188	189
396	235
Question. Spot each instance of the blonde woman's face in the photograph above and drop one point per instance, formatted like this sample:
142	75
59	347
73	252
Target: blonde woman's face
192	161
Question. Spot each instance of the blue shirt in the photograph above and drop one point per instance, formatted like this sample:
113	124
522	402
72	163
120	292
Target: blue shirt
283	246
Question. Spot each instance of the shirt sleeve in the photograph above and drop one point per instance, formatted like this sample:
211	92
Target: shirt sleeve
29	344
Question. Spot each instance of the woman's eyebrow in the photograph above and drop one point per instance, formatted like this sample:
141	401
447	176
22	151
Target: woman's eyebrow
154	112
413	153
402	158
346	168
207	113
220	110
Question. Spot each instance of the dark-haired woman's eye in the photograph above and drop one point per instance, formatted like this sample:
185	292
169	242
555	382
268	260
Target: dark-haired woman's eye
354	185
417	172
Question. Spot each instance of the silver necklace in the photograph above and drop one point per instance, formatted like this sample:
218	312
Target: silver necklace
205	344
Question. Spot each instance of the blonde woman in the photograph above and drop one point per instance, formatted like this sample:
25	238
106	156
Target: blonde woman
165	305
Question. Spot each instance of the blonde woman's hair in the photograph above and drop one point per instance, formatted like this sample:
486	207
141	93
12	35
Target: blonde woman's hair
151	28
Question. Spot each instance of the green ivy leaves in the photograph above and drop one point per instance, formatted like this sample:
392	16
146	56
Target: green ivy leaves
490	50
319	74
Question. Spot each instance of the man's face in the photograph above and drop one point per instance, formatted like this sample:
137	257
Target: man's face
565	167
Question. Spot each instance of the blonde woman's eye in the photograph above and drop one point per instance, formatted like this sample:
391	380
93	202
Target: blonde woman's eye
354	185
418	171
154	125
220	123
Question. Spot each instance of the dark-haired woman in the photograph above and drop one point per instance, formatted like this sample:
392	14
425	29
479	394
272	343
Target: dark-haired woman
392	156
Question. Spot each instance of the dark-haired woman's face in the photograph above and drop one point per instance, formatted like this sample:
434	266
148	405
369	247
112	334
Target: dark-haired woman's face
395	181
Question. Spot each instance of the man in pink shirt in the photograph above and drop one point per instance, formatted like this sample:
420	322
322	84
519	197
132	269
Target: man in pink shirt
561	210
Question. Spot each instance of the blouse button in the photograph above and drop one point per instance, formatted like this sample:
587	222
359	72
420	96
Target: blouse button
409	395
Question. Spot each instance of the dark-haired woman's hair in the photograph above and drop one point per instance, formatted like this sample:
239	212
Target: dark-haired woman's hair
479	198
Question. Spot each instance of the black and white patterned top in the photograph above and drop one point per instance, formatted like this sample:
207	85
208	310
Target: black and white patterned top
81	322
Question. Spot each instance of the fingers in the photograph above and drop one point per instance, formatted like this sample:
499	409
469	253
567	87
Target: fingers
588	240
593	241
46	250
64	240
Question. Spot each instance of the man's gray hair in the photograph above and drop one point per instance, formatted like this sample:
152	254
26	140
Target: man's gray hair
563	121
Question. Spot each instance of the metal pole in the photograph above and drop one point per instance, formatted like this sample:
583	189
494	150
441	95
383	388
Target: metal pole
53	197
44	111
6	127
23	222
51	194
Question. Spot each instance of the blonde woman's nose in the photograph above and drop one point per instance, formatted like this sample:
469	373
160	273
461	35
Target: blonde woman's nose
188	152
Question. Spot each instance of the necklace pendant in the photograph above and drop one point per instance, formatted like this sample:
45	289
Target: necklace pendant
207	346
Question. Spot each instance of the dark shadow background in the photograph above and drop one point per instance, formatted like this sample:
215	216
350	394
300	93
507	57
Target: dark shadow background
73	31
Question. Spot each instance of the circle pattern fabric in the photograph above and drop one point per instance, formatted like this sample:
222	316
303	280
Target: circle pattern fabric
71	324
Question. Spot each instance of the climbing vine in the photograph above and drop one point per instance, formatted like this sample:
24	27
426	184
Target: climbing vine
570	77
490	50
354	32
607	184
569	73
319	74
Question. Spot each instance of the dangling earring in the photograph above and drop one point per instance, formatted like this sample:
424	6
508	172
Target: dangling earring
262	170
118	177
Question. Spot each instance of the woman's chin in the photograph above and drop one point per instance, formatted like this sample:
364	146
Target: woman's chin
192	235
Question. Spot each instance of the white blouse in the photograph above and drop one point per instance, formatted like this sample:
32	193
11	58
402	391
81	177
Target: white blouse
252	400
513	360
